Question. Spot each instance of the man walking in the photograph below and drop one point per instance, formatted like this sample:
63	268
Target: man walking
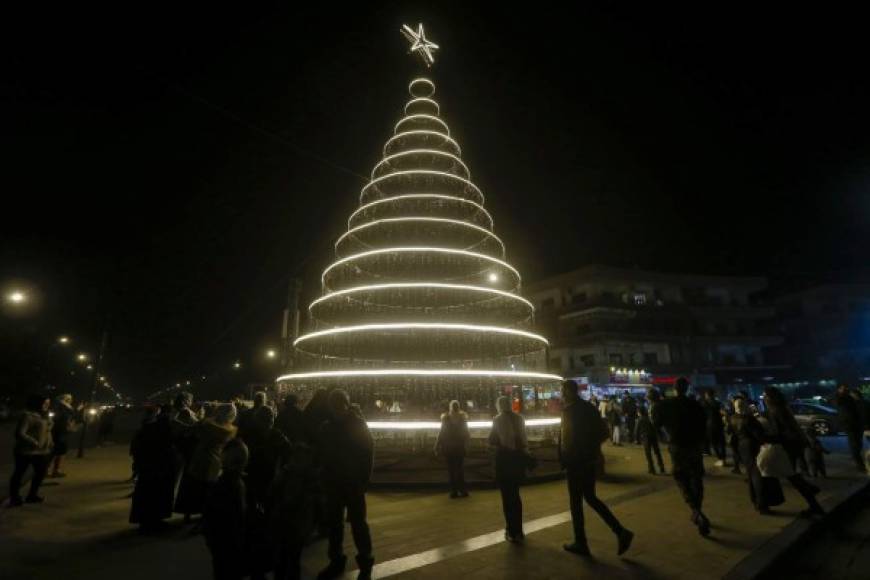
346	456
715	425
582	433
685	423
852	422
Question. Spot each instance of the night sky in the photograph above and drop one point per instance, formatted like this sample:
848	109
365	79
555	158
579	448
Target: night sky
171	171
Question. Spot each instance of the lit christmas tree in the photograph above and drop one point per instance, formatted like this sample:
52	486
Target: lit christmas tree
420	306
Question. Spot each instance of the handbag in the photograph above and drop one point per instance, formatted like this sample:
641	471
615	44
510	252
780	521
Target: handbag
773	461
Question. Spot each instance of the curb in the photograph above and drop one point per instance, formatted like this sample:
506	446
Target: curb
760	563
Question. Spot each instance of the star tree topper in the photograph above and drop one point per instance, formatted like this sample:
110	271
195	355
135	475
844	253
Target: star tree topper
419	44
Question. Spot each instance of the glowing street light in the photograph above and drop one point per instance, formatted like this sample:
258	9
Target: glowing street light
90	367
81	357
271	353
237	365
16	297
63	340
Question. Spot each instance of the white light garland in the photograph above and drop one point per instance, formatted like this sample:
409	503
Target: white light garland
376	287
423	100
418	249
420	196
420	80
483	373
421	172
418	152
423	425
470	225
421	116
447	138
422	326
419	43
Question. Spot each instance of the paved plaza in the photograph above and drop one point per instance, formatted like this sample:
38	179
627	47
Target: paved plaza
81	531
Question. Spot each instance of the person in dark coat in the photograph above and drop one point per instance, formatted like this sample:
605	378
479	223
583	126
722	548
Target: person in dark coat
783	428
205	463
852	422
749	434
291	510
451	442
246	420
32	449
316	413
582	433
508	439
155	481
62	425
225	515
291	420
733	441
715	424
347	457
684	421
629	410
648	436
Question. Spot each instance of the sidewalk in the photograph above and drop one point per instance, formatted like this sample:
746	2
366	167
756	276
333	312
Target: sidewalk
82	532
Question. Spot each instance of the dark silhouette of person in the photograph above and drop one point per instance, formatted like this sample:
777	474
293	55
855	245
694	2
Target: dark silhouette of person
152	453
852	422
648	436
225	515
452	440
685	422
347	457
582	433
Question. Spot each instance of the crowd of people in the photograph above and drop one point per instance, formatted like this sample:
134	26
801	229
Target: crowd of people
260	482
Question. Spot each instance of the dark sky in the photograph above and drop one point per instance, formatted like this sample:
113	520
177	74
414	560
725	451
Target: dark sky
173	169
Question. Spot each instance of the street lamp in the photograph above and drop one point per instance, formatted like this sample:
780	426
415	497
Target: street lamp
237	365
16	297
271	353
81	357
63	340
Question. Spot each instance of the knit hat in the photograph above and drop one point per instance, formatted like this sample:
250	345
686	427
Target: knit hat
235	456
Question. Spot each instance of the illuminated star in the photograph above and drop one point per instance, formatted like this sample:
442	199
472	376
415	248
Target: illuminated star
420	44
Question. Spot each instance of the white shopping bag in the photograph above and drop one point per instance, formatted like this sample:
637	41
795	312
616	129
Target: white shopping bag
773	461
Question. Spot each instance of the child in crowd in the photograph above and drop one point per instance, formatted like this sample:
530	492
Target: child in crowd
815	454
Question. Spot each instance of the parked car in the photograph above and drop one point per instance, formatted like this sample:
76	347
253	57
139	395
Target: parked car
821	418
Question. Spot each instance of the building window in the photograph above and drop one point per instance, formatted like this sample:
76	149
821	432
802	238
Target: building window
614	358
639	299
588	360
650	358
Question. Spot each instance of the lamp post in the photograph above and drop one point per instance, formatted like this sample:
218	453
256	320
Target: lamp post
94	375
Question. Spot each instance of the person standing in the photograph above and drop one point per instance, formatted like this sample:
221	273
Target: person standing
451	442
224	518
580	438
783	428
733	440
684	421
852	422
629	410
614	417
508	438
347	457
749	435
291	420
715	425
32	449
152	453
205	463
62	426
648	436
